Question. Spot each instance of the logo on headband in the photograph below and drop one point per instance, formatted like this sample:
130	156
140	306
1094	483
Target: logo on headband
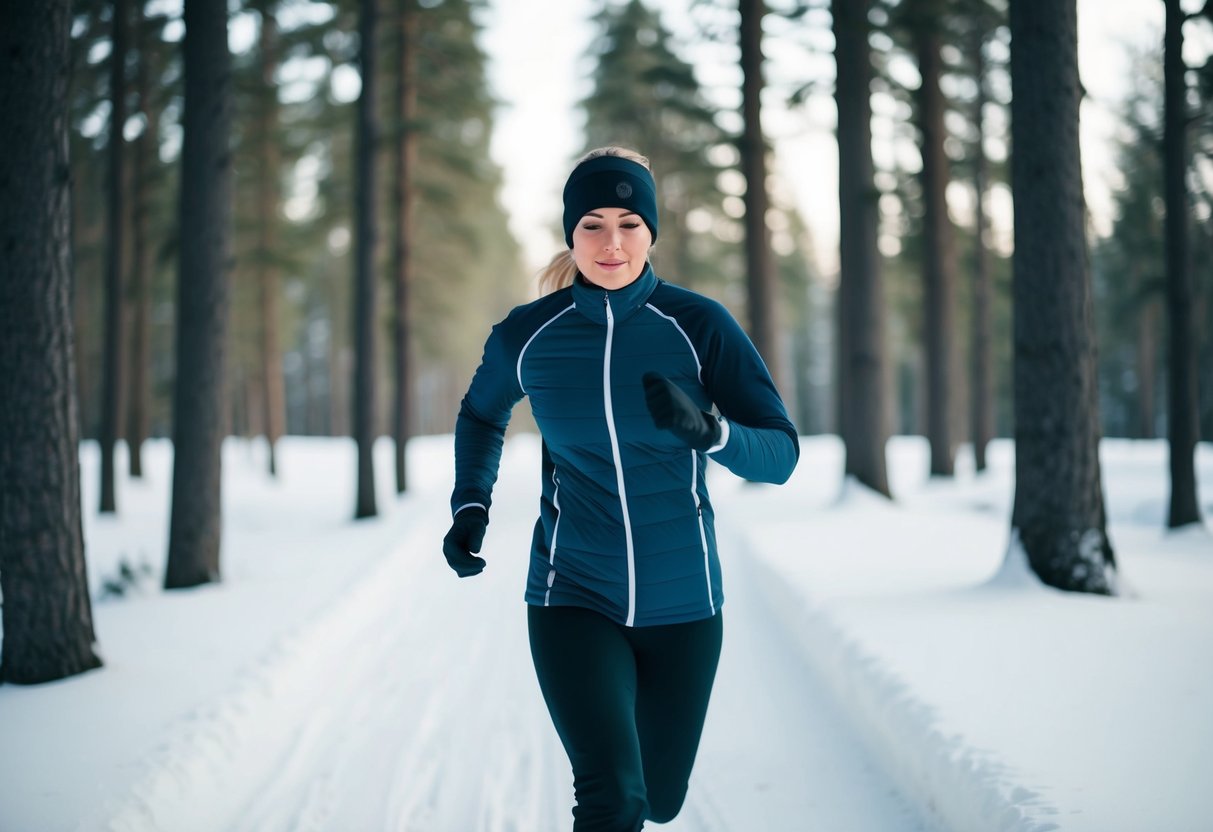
623	190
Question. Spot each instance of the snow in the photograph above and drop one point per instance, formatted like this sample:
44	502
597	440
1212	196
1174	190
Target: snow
886	666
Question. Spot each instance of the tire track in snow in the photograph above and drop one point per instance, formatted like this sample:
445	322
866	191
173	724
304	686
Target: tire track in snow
778	752
413	706
306	788
430	719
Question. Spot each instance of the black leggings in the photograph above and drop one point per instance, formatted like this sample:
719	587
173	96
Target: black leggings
628	704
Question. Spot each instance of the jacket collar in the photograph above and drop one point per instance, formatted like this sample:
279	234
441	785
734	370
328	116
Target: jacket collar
589	298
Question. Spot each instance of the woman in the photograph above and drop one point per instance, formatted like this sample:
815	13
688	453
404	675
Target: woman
624	589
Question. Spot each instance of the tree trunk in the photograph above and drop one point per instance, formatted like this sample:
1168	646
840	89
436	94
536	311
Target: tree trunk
982	384
1058	514
1183	420
199	409
111	385
47	615
272	396
1147	362
139	388
402	195
863	423
364	266
82	304
938	250
760	271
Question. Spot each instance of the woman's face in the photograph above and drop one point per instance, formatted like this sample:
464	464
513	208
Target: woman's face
611	246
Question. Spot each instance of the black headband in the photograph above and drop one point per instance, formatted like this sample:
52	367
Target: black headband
609	182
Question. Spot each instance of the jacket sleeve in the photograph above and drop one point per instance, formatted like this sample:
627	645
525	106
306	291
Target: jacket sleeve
757	441
480	426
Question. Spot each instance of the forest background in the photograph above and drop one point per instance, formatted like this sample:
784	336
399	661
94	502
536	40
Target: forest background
321	248
486	204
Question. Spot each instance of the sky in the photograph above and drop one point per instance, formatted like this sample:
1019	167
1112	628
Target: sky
539	72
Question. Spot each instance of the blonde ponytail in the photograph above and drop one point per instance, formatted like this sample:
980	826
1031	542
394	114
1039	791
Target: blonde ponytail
562	268
558	273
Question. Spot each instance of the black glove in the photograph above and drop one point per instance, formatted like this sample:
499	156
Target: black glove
674	411
464	538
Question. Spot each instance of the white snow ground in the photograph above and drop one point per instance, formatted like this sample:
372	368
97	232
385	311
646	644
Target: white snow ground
882	670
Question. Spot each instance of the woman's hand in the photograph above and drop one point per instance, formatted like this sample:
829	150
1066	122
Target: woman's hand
673	410
464	538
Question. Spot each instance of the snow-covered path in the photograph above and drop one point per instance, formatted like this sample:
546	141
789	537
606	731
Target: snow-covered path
341	678
778	752
412	705
429	717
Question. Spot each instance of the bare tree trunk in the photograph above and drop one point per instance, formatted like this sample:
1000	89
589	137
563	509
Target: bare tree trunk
982	392
364	266
47	615
313	421
1147	362
863	414
402	195
111	386
82	304
760	271
272	396
339	367
199	410
939	250
1059	511
1183	419
139	388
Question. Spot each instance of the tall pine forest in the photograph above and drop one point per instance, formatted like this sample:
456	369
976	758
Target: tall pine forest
973	291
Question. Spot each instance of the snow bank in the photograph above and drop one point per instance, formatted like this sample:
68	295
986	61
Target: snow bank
998	702
963	787
209	770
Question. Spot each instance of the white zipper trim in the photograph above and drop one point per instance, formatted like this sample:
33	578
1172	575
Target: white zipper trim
685	337
534	335
547	596
623	497
703	537
724	438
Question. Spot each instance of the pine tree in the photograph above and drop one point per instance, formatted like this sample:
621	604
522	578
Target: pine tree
155	90
268	201
364	262
646	97
461	246
938	255
48	627
115	261
466	266
1129	264
202	306
862	352
983	21
1058	513
760	273
1183	422
143	161
404	151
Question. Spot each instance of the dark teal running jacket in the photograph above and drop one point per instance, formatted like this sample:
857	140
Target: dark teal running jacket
625	523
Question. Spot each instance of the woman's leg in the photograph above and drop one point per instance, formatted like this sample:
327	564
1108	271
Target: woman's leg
675	668
587	674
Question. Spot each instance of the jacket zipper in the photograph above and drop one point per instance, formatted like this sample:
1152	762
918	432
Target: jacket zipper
703	536
623	497
547	596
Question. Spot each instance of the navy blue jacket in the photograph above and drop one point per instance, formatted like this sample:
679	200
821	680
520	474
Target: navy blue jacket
625	523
